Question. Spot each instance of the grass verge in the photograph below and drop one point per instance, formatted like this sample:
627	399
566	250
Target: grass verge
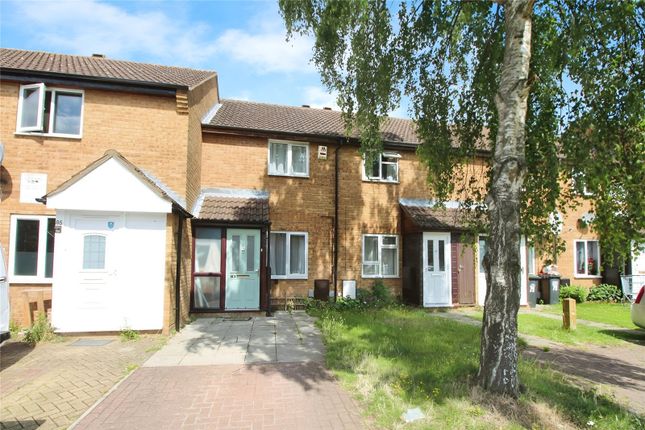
392	360
617	314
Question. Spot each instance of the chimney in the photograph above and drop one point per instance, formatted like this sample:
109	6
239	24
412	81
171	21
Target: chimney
306	106
327	108
98	55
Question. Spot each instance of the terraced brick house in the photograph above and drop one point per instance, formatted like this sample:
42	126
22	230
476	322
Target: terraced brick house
133	196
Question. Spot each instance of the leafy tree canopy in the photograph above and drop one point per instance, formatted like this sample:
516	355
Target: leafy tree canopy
586	110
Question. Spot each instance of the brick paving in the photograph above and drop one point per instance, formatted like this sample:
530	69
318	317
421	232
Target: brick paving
265	373
49	386
234	396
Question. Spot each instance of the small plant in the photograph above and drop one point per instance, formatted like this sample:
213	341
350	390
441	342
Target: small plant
127	334
40	331
14	328
290	305
604	293
130	368
574	292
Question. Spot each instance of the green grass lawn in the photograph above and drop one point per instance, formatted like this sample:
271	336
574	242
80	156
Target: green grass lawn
617	314
551	329
392	360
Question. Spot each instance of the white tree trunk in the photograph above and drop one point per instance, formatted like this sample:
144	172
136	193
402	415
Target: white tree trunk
498	361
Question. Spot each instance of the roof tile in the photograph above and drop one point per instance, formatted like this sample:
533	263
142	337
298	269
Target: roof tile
101	68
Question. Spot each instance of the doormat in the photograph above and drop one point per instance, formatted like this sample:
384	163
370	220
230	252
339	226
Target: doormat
237	319
91	342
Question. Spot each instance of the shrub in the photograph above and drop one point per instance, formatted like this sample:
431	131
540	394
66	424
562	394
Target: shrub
127	334
605	293
40	331
379	296
574	292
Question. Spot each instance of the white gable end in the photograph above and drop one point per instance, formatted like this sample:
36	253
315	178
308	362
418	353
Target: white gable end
110	187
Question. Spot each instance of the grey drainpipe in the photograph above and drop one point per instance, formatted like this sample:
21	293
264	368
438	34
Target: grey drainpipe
180	227
336	164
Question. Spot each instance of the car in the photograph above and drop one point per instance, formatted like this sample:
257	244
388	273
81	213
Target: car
638	309
4	299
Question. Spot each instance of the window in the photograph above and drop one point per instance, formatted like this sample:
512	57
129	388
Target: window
288	255
207	272
385	168
587	258
288	158
52	111
94	252
32	249
531	260
380	256
579	184
483	249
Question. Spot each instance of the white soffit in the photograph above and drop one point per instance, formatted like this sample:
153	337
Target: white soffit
110	187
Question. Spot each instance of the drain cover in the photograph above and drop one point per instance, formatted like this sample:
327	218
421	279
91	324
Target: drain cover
91	342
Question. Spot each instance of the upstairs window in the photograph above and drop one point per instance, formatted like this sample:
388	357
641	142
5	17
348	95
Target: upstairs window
52	111
385	168
288	158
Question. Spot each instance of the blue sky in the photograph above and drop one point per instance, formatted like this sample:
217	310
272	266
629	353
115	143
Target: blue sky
244	41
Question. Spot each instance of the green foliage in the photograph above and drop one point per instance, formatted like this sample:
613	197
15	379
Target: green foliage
378	297
574	292
605	293
585	118
40	331
127	334
14	328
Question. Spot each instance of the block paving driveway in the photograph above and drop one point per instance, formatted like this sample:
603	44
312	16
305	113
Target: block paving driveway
49	386
256	373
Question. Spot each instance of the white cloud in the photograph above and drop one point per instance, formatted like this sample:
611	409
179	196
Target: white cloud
317	97
244	96
86	27
267	51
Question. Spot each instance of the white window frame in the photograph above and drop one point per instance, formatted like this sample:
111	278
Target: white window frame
42	250
38	130
575	259
290	144
380	178
287	271
380	256
531	260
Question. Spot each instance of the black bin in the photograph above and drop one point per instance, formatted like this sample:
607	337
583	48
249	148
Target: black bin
321	289
550	289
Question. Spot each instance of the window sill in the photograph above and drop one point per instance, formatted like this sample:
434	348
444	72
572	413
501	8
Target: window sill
379	277
379	181
280	175
29	280
289	278
587	276
52	135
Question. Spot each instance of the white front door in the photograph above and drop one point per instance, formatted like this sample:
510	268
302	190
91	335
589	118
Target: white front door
437	283
94	261
242	269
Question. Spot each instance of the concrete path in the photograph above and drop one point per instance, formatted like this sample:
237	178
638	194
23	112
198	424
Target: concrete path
52	384
208	341
264	373
621	369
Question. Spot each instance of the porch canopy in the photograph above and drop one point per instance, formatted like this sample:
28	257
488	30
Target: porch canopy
422	215
230	205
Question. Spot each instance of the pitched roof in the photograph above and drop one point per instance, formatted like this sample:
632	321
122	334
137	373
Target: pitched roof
101	68
425	216
152	182
233	205
239	114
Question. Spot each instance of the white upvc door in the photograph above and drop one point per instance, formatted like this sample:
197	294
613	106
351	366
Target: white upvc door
437	282
242	269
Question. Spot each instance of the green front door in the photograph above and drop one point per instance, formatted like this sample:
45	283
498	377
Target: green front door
242	269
